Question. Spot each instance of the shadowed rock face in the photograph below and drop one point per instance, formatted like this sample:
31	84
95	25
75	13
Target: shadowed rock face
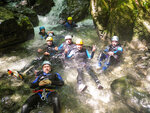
41	7
14	28
78	9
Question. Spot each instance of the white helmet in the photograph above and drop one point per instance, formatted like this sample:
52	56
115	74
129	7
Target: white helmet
115	38
68	37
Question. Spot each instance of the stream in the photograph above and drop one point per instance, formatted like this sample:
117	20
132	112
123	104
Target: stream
91	100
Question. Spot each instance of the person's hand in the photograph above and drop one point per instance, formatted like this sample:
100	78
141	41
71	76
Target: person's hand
40	50
46	53
56	48
50	32
66	51
110	53
94	48
45	82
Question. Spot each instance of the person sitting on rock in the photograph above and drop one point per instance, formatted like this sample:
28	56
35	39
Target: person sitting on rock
43	33
45	86
81	56
111	54
69	25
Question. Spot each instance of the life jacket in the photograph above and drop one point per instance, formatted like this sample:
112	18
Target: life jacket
43	36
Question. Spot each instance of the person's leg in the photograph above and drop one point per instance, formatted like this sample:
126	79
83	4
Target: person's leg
94	77
107	63
80	75
56	103
30	103
80	81
101	58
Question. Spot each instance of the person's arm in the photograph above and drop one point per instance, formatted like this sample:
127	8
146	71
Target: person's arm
35	83
70	54
60	47
119	49
58	81
106	49
88	55
74	24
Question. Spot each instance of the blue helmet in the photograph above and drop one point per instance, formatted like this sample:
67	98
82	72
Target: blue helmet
42	27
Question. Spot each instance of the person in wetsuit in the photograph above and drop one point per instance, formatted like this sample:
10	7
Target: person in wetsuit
45	86
111	54
69	25
66	47
81	56
44	53
49	49
43	33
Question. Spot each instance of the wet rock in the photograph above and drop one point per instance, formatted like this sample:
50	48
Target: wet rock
126	90
122	18
41	7
78	9
14	29
7	102
27	12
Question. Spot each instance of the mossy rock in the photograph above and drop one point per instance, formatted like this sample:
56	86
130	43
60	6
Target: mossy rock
120	17
78	9
125	89
14	29
31	14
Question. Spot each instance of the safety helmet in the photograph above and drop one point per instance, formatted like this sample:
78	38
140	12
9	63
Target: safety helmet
115	38
69	18
42	27
49	38
68	37
79	42
46	62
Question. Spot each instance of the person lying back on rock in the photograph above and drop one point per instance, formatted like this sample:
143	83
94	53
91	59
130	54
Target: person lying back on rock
81	56
45	86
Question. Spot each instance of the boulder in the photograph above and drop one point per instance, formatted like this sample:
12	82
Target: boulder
41	7
78	9
126	89
14	29
27	12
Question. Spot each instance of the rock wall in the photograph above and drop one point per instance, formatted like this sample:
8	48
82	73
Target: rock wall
121	17
14	28
78	9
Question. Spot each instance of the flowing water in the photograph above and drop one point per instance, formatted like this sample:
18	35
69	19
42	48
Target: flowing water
91	100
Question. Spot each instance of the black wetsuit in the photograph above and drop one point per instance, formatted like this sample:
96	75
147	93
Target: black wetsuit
81	61
51	96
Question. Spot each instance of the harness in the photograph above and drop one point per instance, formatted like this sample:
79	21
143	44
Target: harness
44	93
114	49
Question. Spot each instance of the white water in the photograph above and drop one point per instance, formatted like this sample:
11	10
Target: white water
53	17
101	101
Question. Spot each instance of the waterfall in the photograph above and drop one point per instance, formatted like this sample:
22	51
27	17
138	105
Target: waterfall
53	17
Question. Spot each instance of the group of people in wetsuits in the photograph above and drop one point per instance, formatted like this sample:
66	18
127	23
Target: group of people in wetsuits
46	82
